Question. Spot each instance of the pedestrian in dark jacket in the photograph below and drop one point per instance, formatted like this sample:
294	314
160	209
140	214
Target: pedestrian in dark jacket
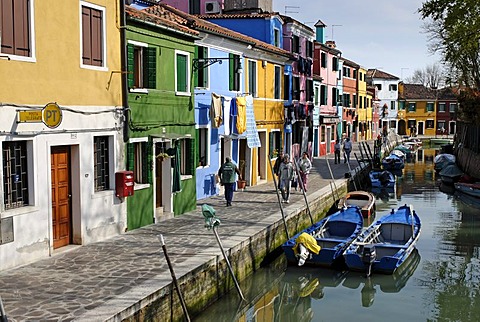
226	173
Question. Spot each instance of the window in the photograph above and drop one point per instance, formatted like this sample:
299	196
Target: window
429	124
101	163
360	102
309	91
276	37
323	95
296	88
234	72
430	107
309	49
441	125
322	133
355	100
15	174
412	107
139	160
332	133
15	27
316	98
324	60
355	73
392	87
201	74
182	72
378	86
334	64
286	87
252	77
295	44
187	149
93	45
203	146
392	105
275	140
441	107
278	83
142	65
334	96
401	105
452	108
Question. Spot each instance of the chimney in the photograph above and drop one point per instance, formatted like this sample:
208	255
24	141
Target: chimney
320	31
331	44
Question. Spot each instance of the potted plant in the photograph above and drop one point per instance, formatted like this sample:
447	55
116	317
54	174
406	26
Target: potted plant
241	183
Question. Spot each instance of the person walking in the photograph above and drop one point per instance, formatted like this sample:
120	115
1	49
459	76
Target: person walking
337	147
305	165
347	149
226	173
286	176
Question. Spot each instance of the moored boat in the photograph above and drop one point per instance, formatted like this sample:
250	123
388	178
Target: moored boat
385	245
442	160
363	199
323	243
450	174
393	162
471	189
382	179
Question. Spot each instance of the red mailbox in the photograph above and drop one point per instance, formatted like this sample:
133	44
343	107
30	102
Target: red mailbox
124	183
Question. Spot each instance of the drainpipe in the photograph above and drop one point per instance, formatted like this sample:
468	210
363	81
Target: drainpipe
123	45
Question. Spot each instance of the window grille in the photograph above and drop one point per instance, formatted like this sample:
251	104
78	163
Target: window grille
102	164
15	175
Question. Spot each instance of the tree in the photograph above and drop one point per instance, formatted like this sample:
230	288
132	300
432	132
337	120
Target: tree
454	30
431	76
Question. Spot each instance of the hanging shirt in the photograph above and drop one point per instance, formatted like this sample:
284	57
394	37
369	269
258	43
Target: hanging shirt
216	111
241	115
226	115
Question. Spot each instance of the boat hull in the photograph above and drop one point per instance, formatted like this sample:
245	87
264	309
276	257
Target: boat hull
471	189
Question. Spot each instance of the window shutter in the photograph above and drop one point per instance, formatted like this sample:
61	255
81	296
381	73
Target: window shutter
196	73
181	73
197	155
149	162
204	79
231	72
130	157
130	65
97	36
86	37
150	67
21	28
270	144
190	147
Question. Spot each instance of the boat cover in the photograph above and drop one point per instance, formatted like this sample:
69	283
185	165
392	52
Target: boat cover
308	241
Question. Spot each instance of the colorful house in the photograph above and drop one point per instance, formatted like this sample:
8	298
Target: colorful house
446	111
419	107
364	107
161	138
349	98
62	141
326	70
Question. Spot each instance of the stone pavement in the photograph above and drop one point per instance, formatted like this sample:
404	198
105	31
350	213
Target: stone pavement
97	281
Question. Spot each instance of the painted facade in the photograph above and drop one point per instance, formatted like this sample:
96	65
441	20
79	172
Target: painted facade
58	179
326	68
364	107
446	112
349	99
161	138
418	116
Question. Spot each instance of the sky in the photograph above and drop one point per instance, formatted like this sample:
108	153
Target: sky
382	34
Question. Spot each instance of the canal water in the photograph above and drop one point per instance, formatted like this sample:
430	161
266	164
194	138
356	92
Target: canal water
439	282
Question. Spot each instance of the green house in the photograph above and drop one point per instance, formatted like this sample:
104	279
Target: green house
161	124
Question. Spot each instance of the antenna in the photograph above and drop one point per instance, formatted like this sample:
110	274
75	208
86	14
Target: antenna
291	7
333	26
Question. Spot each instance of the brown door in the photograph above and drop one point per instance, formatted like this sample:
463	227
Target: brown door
61	216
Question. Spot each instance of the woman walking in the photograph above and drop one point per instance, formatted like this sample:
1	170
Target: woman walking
286	175
305	165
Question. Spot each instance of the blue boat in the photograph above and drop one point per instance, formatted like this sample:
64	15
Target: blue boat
381	179
386	244
393	162
323	243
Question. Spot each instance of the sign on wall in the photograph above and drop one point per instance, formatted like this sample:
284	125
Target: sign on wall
50	115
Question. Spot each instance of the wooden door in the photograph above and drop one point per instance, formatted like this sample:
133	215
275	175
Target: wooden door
61	195
159	147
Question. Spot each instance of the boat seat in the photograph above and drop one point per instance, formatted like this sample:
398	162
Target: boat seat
388	245
334	239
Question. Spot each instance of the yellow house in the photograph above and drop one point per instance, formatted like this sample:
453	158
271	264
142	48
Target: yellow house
264	81
364	107
418	116
62	125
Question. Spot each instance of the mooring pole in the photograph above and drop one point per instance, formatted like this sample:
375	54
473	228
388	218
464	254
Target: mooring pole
174	278
331	175
211	222
350	170
278	198
3	315
303	189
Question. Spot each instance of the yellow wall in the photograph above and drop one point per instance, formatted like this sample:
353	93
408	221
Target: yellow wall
421	115
56	75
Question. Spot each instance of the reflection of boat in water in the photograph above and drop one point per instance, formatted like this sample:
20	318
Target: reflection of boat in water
446	188
387	283
384	193
469	200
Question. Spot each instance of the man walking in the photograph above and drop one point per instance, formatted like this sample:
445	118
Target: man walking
347	149
226	174
337	147
286	176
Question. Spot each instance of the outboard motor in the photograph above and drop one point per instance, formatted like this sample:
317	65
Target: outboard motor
384	177
368	257
303	254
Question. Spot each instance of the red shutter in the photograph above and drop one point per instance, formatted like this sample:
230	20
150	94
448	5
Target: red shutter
92	35
22	41
6	19
97	48
86	37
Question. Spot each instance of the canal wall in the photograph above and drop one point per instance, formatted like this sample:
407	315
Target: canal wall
211	279
467	148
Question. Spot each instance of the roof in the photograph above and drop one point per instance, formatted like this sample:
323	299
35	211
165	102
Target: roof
320	23
241	15
350	63
198	24
288	19
417	92
375	73
175	22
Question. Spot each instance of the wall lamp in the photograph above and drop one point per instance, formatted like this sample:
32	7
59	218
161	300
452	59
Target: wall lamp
201	63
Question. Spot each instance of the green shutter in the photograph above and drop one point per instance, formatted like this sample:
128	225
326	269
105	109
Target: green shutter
181	73
197	155
270	143
190	165
205	70
130	157
150	67
130	65
196	72
149	162
231	72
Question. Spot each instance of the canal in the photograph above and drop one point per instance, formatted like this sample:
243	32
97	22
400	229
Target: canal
439	282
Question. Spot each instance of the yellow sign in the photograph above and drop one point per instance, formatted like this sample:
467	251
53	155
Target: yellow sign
52	115
29	116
